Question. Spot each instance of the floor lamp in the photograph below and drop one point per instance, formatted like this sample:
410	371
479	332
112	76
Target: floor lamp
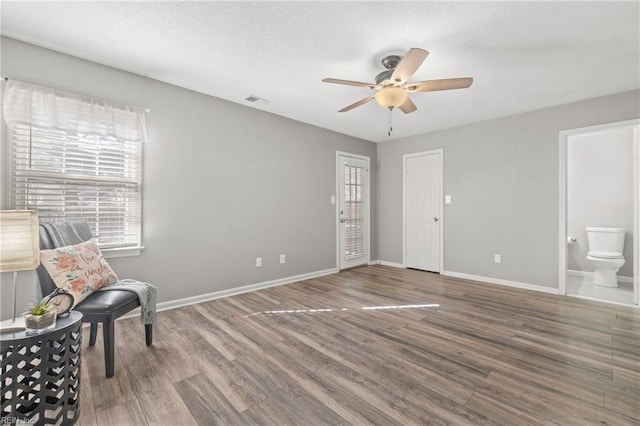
19	250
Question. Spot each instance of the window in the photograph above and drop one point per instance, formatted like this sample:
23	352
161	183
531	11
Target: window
66	177
77	159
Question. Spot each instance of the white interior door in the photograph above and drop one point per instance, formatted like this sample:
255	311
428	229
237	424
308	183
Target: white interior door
423	207
353	211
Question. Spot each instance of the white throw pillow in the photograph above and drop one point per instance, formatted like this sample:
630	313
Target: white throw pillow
80	269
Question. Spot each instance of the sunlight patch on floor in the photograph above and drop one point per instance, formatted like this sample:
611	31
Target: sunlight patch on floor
366	308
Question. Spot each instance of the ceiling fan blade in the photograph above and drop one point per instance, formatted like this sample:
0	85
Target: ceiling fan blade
349	83
357	104
408	106
409	65
444	84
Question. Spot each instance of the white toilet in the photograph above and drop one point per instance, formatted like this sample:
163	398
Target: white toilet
605	254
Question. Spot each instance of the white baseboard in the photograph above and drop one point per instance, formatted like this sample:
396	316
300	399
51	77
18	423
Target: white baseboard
385	263
172	304
499	281
578	296
585	274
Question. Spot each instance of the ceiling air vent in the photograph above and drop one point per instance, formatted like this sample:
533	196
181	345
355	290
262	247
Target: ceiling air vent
256	100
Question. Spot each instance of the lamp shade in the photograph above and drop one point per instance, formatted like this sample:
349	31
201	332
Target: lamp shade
19	242
391	97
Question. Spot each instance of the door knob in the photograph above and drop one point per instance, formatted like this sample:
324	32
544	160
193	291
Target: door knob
343	220
435	219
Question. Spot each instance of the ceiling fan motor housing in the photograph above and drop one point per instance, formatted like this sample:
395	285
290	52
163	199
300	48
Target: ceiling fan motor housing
384	76
390	63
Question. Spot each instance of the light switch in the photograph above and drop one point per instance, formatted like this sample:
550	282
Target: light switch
333	199
447	199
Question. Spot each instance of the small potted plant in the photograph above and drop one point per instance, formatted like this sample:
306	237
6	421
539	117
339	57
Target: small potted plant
39	317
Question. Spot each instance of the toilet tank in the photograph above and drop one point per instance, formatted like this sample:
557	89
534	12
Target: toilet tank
605	239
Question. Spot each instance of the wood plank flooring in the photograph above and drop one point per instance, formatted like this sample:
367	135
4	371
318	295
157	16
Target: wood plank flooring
373	345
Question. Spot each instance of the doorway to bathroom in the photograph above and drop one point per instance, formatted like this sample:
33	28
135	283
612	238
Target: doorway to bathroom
599	215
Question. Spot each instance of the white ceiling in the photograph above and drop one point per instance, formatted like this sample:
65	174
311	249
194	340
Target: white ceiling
522	56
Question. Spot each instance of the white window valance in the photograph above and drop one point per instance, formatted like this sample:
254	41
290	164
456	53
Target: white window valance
45	107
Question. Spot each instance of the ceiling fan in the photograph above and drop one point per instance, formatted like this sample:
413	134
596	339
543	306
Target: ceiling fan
393	84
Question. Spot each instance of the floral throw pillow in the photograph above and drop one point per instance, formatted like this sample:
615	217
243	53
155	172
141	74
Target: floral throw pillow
80	269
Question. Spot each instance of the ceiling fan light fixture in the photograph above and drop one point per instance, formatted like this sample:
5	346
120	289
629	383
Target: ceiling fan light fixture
391	97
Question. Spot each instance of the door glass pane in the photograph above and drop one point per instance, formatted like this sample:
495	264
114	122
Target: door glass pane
354	225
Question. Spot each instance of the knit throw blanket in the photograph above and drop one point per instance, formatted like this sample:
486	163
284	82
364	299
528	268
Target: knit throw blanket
146	294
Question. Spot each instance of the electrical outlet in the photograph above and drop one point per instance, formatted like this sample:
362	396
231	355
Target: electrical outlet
258	262
497	258
283	258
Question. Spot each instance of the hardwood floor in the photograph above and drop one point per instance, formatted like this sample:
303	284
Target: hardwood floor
373	345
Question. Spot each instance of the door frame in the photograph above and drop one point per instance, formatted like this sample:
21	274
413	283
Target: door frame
563	249
440	152
367	192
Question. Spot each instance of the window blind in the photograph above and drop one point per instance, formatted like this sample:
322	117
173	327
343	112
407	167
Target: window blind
355	217
87	171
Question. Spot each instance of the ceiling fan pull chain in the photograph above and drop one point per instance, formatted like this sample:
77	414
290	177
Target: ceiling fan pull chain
389	123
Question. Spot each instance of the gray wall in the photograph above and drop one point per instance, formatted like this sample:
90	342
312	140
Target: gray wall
503	177
223	183
599	191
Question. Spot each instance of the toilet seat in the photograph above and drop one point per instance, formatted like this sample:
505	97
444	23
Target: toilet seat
605	254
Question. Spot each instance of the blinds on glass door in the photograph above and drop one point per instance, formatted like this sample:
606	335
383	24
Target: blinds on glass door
354	215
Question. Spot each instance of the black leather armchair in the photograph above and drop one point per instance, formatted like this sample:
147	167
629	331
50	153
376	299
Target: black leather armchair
99	307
